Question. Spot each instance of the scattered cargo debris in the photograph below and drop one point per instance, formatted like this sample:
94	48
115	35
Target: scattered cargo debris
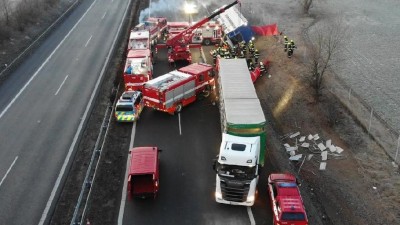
311	144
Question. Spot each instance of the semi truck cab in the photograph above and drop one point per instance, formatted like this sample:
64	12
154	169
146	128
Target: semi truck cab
237	170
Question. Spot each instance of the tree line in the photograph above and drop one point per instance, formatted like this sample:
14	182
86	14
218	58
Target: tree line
16	15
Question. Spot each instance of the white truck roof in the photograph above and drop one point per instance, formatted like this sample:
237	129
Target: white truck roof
239	156
141	34
231	19
166	80
237	93
244	111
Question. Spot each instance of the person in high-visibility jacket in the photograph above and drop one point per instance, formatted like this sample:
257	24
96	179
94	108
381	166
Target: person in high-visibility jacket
286	43
251	66
291	48
263	70
256	56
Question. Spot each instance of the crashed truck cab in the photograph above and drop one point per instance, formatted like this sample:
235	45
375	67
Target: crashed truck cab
237	170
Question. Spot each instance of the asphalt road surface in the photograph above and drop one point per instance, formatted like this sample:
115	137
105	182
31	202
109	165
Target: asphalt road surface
190	141
43	106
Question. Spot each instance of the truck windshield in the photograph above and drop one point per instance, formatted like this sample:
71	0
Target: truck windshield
293	216
235	171
124	108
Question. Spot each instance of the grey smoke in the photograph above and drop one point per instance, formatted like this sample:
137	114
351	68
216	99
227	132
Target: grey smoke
172	9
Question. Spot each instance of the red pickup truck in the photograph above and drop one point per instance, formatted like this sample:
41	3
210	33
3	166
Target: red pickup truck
286	202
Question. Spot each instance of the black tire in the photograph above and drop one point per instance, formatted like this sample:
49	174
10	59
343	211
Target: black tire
178	108
207	42
206	93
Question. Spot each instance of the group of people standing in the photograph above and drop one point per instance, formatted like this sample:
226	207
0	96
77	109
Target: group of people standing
239	50
289	46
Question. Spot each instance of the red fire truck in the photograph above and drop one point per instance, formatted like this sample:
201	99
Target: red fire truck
156	27
176	89
138	69
207	34
179	45
287	204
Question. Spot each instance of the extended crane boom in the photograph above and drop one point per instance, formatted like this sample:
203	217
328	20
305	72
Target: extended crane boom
178	45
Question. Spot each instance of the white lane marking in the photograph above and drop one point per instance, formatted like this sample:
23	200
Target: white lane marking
9	169
124	189
59	88
180	127
71	148
77	134
104	15
88	41
252	221
43	64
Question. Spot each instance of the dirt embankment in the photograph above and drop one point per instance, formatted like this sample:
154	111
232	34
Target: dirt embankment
357	187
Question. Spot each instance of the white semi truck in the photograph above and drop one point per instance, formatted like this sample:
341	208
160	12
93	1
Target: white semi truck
243	147
237	170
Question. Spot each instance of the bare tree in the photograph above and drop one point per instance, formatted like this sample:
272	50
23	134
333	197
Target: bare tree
327	39
6	10
306	5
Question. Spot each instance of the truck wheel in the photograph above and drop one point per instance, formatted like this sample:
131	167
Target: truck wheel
207	42
206	93
178	108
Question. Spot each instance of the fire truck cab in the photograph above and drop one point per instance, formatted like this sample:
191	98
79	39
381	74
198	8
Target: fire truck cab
138	69
175	28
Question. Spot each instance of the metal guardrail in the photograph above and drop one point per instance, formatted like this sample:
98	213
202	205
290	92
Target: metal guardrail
81	206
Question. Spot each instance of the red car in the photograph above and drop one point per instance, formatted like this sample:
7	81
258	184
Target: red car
286	202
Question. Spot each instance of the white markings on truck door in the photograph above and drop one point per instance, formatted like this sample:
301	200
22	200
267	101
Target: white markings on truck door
88	41
59	88
252	221
9	169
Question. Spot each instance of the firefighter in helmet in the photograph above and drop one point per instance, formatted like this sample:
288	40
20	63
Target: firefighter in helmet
256	56
214	56
241	54
251	66
291	48
286	43
263	70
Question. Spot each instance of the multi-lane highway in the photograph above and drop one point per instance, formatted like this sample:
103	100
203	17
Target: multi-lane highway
44	105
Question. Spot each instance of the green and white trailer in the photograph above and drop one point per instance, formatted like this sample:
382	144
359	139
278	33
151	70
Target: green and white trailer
240	109
242	149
